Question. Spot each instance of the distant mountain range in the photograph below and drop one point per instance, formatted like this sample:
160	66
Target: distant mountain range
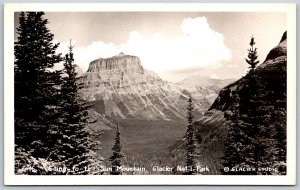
205	86
120	87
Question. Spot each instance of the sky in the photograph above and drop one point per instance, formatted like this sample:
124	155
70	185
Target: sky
175	45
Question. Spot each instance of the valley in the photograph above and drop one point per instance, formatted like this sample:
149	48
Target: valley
144	143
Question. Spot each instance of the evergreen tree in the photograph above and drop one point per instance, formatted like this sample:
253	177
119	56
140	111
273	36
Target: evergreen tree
259	111
265	129
75	145
190	140
279	117
36	84
34	57
252	55
234	142
256	107
279	120
252	147
117	155
243	142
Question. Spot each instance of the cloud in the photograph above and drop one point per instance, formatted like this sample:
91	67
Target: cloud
197	47
84	55
214	76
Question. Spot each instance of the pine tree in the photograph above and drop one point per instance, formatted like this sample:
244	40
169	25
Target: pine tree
265	129
190	140
35	85
253	148
255	116
279	117
279	120
252	55
117	156
34	56
243	144
75	148
261	118
234	143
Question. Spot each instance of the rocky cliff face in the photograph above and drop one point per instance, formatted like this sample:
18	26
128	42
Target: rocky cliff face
120	62
121	88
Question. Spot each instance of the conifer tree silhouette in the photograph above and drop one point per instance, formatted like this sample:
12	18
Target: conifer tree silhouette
117	155
76	146
36	83
190	140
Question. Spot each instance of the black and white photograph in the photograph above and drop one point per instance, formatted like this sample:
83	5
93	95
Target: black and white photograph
150	90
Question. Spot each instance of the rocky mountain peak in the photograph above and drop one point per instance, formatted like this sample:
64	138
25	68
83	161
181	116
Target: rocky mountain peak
284	37
279	50
121	54
119	62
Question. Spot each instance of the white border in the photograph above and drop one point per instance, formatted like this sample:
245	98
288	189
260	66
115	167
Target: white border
11	179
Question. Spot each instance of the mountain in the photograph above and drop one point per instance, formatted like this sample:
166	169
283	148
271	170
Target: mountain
212	128
199	86
120	87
